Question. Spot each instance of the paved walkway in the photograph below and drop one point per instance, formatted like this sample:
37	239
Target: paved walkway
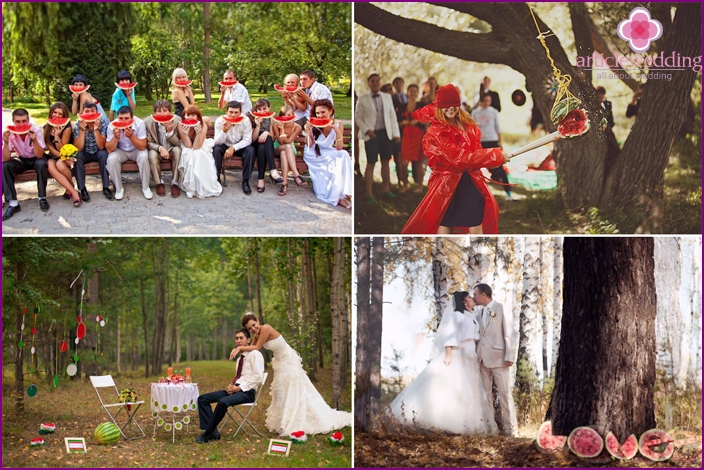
232	213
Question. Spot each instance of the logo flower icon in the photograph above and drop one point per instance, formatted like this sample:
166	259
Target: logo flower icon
639	30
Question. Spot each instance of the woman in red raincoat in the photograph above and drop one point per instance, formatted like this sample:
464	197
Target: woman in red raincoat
457	197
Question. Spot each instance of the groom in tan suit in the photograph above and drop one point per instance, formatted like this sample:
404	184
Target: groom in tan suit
495	353
163	142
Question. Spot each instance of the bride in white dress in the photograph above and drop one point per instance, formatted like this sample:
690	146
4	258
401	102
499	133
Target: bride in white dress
197	166
295	403
448	394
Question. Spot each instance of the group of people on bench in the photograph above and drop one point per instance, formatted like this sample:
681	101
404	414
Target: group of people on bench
196	161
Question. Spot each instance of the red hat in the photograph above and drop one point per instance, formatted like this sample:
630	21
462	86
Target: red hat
447	96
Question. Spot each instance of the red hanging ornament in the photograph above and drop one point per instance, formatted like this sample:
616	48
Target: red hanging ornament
80	320
34	330
64	346
81	331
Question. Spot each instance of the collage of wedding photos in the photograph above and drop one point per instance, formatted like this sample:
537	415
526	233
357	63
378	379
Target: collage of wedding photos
351	235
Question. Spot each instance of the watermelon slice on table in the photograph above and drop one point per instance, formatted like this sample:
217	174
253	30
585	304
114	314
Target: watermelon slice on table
625	451
19	130
89	117
117	124
288	88
228	84
585	442
656	445
126	86
235	120
58	122
190	122
546	441
183	82
78	88
320	122
263	115
284	118
163	118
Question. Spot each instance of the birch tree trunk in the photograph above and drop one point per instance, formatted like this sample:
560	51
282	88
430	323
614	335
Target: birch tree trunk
363	387
335	286
557	300
442	298
528	341
695	368
501	282
668	320
546	299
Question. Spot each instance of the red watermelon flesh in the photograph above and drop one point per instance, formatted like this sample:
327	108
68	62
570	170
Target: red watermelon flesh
190	122
574	124
585	442
625	451
656	445
320	122
59	122
278	87
163	118
89	117
81	330
126	86
232	83
117	124
235	120
20	129
78	89
183	82
546	440
284	118
263	115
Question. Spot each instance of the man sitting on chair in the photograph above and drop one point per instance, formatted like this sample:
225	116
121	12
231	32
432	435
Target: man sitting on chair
250	367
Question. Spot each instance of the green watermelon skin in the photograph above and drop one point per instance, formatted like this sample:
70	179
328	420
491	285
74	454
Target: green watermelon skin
107	433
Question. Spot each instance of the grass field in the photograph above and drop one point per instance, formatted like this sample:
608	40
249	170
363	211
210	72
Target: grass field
75	410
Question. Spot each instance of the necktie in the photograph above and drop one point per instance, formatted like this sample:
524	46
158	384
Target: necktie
239	369
375	95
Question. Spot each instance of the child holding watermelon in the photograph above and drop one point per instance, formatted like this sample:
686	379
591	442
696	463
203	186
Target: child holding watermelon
57	133
124	94
80	95
285	133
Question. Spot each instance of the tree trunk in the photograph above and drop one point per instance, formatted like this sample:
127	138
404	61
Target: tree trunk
118	346
375	321
310	316
319	323
546	299
363	364
20	318
144	310
344	303
257	282
668	321
442	298
161	302
206	52
174	324
335	286
249	276
606	366
291	290
528	336
557	301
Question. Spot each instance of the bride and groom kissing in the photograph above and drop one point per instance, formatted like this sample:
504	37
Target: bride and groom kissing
473	346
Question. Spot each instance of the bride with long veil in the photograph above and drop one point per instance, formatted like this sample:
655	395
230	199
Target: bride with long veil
448	395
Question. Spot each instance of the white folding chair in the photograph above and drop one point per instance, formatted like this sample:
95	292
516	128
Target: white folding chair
250	407
105	381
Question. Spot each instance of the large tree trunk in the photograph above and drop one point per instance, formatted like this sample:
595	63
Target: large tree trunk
336	285
249	276
290	313
206	52
144	310
161	302
20	318
528	335
442	298
546	299
363	364
668	322
606	366
557	301
310	314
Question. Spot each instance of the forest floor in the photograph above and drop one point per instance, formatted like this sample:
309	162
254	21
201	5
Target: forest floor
408	449
75	410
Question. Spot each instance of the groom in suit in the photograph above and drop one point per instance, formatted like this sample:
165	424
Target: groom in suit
495	353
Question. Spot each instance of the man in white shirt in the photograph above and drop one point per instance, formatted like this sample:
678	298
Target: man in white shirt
234	93
376	120
314	91
250	370
487	118
234	139
128	144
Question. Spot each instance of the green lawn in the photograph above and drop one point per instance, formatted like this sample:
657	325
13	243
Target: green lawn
75	410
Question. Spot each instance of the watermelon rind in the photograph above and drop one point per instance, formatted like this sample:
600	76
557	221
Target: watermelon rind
76	89
660	436
320	122
235	120
617	450
190	122
562	108
58	122
183	82
19	130
263	115
90	117
163	118
284	118
126	86
117	124
582	432
546	441
106	433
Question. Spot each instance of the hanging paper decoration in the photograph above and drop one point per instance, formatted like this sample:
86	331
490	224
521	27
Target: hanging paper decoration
20	343
64	346
32	390
80	331
71	369
550	87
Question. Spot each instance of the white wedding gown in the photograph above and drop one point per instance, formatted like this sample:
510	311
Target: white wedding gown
198	170
449	398
331	171
295	403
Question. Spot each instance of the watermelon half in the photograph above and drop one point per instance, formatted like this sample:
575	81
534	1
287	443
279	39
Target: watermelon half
263	115
163	118
563	108
656	445
546	441
107	433
19	130
190	122
226	84
574	124
320	122
235	120
78	88
58	122
284	118
183	82
126	86
89	117
117	124
585	442
625	451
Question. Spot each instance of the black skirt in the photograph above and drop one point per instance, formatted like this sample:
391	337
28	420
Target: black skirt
466	208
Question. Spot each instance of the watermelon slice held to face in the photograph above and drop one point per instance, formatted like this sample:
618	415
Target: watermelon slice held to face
263	115
625	451
234	120
284	118
320	122
190	122
656	444
288	88
126	86
163	118
585	442
19	130
117	124
546	441
89	117
78	88
228	83
58	122
183	82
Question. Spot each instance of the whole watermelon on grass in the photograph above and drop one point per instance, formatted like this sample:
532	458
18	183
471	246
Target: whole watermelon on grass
107	433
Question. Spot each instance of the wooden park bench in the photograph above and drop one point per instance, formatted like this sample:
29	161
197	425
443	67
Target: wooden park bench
234	163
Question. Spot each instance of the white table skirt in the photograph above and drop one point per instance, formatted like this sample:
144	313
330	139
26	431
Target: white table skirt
178	398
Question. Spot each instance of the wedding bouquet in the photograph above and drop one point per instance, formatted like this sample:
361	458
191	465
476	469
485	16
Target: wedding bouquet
68	154
336	439
298	437
127	395
46	428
